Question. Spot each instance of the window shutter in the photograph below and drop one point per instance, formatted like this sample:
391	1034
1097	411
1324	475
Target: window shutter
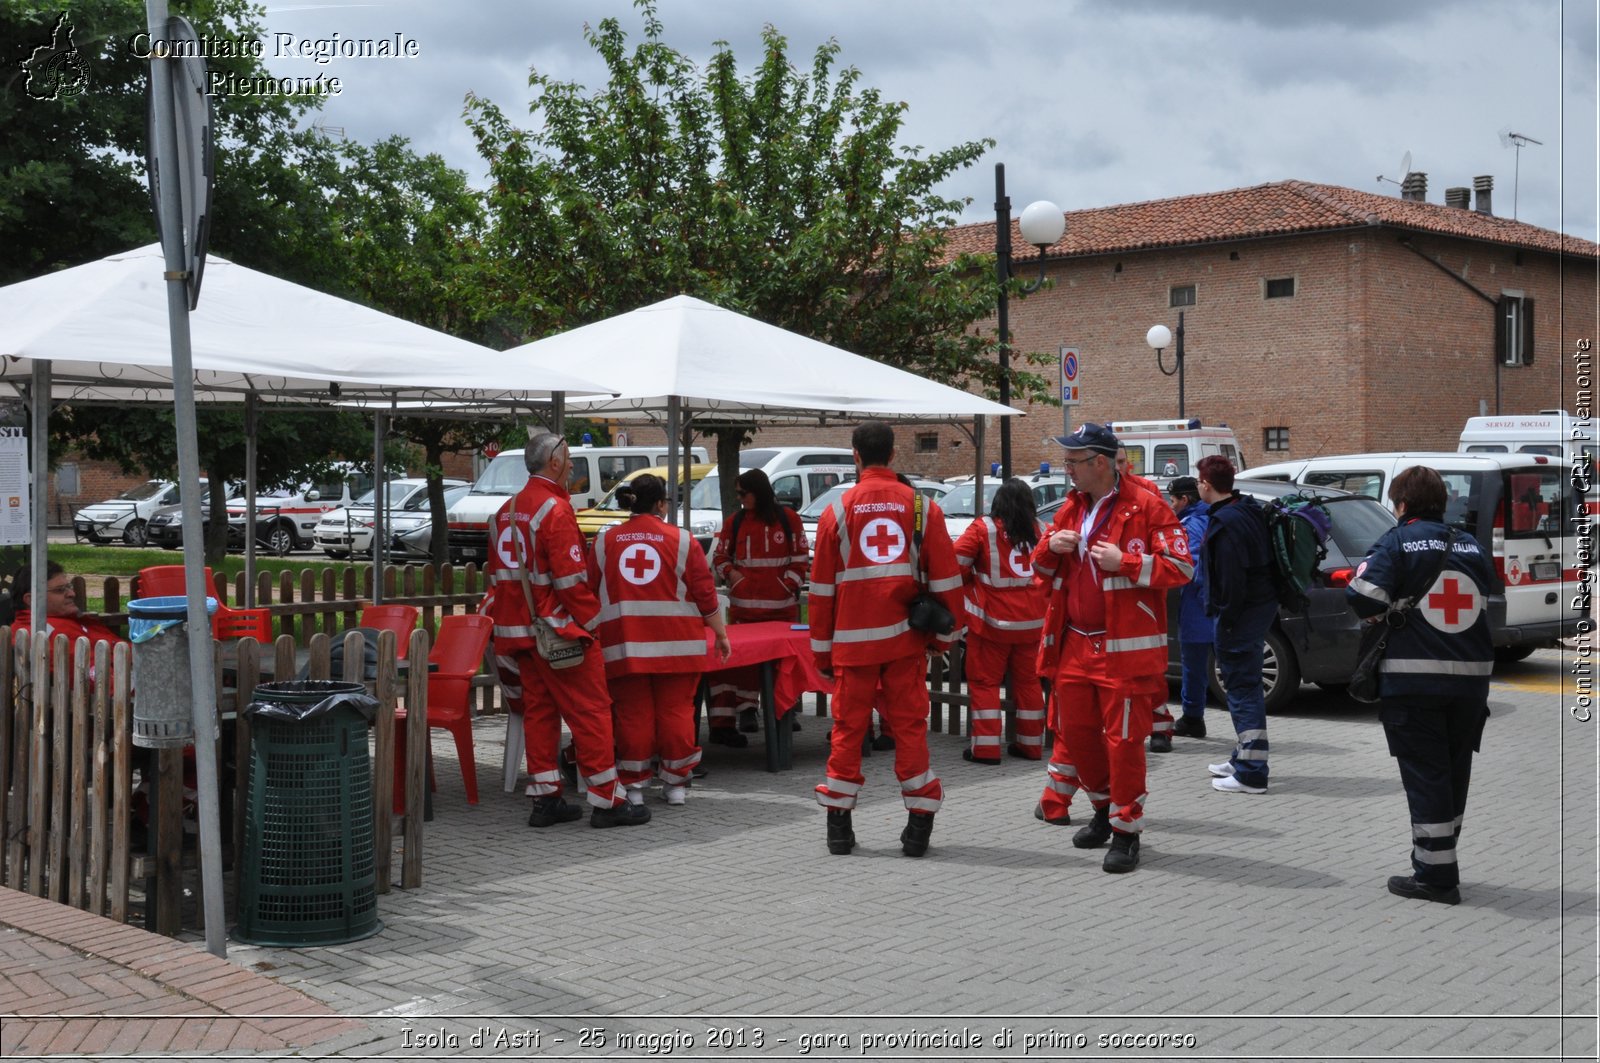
1500	351
1527	331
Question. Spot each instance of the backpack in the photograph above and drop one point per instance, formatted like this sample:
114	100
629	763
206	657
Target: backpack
1297	533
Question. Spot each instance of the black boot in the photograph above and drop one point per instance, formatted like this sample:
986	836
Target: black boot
1096	833
841	835
1161	743
1064	820
914	839
1123	856
619	816
548	811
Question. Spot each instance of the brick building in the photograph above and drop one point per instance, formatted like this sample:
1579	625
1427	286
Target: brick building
1317	319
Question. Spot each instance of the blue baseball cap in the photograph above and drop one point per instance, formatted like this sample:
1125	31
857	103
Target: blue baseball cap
1091	436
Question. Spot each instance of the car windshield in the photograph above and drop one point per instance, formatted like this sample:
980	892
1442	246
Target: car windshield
1357	524
505	475
826	499
145	490
755	457
395	493
958	502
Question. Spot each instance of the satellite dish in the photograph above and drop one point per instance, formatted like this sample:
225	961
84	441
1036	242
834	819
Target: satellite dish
1405	171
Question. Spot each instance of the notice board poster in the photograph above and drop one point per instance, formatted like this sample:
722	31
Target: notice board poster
16	523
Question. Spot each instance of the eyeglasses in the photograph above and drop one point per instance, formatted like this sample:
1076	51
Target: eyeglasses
65	588
1073	463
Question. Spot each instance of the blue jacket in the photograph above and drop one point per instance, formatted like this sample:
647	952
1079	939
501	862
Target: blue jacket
1237	559
1193	623
1444	646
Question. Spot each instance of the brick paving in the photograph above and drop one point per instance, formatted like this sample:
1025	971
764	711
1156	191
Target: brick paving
1256	927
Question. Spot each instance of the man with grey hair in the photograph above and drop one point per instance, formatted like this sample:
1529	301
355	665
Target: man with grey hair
544	618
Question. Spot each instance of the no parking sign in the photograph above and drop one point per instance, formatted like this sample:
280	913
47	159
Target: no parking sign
1071	368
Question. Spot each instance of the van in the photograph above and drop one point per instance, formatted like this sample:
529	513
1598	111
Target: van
1174	447
1555	433
286	518
796	487
1520	507
595	471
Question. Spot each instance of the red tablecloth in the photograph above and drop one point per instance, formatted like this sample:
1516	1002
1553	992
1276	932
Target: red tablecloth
776	641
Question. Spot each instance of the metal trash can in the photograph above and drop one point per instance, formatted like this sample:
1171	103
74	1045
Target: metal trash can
308	876
163	701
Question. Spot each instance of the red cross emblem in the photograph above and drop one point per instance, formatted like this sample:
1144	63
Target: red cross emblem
1021	564
1452	604
882	541
639	564
508	548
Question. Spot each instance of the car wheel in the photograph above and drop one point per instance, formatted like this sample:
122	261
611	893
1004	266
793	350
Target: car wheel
1280	674
280	540
169	546
337	555
1512	654
134	534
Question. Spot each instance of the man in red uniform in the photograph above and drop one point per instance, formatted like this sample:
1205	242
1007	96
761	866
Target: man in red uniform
869	565
62	614
1161	720
538	575
1112	553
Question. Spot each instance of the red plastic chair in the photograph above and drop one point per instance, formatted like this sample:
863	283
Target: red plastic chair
401	619
456	655
242	623
167	581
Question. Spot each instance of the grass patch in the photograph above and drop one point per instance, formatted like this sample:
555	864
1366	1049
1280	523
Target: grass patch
121	561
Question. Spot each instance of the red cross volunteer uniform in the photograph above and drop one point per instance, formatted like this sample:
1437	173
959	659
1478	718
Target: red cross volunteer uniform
763	566
1005	618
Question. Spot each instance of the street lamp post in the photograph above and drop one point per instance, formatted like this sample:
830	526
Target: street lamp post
1158	338
1042	224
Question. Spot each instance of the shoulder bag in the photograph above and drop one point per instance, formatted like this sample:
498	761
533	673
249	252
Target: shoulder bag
928	613
1375	638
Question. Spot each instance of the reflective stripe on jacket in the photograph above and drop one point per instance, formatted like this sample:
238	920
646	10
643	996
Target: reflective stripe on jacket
1155	557
1004	604
546	533
765	569
864	576
655	591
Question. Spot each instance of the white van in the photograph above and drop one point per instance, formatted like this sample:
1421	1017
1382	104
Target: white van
1174	447
796	488
1518	506
1555	433
286	518
595	471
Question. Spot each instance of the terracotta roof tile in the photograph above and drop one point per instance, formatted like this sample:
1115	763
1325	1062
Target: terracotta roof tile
1280	208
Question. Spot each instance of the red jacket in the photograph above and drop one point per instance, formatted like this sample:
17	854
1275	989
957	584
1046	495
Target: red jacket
73	627
865	574
765	569
1004	604
655	592
1155	557
546	533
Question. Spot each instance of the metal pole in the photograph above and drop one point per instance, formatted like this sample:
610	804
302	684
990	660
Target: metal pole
252	411
198	628
1002	274
1180	365
673	421
380	501
39	445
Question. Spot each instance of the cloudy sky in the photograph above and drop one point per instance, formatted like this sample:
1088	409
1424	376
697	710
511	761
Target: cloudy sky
1090	102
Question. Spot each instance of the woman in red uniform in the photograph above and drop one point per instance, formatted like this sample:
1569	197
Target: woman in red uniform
656	600
1005	617
761	557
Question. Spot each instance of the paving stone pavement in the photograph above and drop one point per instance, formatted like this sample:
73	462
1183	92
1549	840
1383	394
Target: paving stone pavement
1255	928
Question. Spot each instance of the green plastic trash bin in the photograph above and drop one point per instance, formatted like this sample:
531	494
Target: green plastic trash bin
307	876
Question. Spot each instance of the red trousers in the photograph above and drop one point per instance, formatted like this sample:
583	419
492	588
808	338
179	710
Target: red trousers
654	718
1100	724
987	663
904	708
577	695
734	690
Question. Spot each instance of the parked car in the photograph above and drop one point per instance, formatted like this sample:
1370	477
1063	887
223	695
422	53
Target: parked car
959	510
125	517
796	488
286	518
348	530
165	527
1319	646
609	511
411	528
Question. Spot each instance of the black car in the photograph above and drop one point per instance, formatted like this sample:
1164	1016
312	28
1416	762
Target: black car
1317	646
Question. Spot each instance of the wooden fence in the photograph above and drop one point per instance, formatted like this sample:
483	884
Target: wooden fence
69	826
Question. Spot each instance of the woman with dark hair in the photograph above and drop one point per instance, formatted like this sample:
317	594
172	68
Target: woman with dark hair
1433	682
656	600
1005	617
761	557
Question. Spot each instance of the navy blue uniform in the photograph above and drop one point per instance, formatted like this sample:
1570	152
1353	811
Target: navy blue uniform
1434	680
1237	556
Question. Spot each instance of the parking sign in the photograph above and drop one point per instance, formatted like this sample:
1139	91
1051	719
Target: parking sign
1071	372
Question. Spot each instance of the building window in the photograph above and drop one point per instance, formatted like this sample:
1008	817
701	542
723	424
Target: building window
927	442
1275	438
1182	295
1280	288
1513	338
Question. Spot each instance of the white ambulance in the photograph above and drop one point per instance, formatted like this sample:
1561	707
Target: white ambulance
1554	433
1518	506
595	471
1174	447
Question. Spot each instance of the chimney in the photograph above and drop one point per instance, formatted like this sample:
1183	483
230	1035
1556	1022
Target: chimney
1458	197
1484	185
1415	187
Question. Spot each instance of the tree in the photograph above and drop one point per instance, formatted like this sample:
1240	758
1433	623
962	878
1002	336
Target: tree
784	195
